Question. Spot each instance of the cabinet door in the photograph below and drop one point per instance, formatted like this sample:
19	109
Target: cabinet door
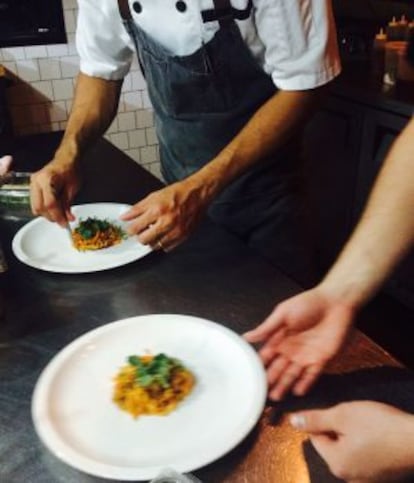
379	132
331	151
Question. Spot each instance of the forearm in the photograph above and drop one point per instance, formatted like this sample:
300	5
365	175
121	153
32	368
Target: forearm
385	232
408	443
94	107
271	126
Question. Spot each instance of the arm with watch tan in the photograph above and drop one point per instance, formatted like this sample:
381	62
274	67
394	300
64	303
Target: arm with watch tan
304	332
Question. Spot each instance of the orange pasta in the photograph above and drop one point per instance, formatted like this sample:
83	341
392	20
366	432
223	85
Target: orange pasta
152	385
95	234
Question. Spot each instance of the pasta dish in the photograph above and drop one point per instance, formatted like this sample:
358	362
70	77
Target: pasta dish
94	234
151	385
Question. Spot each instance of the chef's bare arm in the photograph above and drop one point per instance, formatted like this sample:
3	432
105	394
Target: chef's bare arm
53	187
94	108
274	123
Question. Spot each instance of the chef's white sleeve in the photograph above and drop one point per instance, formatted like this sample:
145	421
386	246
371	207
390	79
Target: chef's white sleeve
299	36
104	46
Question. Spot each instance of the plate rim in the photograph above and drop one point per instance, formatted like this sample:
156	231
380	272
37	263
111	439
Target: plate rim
109	471
21	256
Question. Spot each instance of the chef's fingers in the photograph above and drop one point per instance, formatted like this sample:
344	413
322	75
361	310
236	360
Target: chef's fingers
66	199
145	226
276	368
271	347
307	379
55	200
53	208
174	235
38	200
269	325
157	235
169	238
170	246
134	212
285	381
165	244
69	215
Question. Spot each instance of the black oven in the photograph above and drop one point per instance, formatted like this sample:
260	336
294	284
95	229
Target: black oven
31	22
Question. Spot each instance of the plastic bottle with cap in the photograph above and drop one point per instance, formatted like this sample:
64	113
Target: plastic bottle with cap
378	54
402	28
380	39
410	30
392	29
394	53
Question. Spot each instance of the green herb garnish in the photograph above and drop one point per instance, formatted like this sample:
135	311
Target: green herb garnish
88	228
157	370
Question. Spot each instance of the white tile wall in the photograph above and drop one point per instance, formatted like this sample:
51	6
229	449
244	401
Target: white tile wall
41	97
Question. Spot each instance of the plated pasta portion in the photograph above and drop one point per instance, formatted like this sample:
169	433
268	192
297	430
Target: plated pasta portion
95	234
152	385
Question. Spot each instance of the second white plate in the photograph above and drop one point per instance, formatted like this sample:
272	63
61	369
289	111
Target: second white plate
76	419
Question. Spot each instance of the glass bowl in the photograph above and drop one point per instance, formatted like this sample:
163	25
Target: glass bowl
15	197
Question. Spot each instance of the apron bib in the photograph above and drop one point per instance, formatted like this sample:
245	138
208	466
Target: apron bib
201	101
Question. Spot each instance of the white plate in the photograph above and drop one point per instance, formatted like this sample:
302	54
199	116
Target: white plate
75	417
45	245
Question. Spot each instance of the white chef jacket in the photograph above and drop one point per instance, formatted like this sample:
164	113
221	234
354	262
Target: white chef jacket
293	40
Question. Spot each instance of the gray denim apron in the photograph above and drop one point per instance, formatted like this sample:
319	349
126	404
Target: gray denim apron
201	101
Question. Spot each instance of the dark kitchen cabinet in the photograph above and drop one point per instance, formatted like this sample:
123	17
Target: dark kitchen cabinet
331	150
31	22
380	129
344	147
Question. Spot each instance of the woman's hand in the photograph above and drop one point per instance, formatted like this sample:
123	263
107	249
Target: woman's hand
298	339
362	441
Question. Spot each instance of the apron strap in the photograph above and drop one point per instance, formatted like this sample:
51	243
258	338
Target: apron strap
224	12
124	9
126	15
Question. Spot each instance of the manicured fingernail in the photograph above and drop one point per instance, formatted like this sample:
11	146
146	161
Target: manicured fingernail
298	421
275	396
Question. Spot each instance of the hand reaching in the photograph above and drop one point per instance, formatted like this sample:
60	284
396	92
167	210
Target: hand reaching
166	217
52	190
298	339
362	441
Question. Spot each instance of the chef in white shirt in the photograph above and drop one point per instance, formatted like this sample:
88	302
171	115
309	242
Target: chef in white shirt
231	83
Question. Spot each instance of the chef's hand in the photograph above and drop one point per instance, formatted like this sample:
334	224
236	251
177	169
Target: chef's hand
166	217
362	441
52	190
298	339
